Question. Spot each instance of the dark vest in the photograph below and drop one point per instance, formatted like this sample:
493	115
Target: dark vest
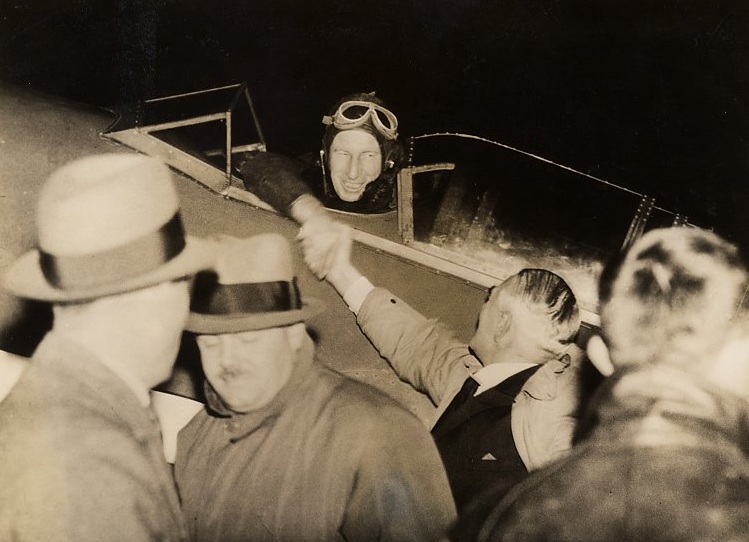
474	438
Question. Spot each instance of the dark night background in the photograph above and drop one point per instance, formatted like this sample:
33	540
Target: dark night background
649	95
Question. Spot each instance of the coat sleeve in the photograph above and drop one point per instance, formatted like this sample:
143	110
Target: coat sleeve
276	179
401	490
422	352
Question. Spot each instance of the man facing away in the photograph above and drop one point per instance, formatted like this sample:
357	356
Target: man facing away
287	449
507	400
664	449
80	450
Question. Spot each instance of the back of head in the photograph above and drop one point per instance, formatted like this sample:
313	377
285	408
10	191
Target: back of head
670	298
550	300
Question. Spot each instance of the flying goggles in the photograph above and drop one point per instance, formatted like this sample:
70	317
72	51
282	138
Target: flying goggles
354	113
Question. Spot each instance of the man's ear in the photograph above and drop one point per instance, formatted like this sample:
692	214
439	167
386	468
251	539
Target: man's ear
296	333
598	353
730	368
503	325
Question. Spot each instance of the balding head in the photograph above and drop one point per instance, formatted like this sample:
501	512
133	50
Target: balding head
671	297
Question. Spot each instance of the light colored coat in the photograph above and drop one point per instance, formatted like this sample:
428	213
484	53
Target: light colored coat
80	458
328	459
425	354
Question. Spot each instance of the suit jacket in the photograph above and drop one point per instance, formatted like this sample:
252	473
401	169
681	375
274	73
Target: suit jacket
424	353
474	438
80	458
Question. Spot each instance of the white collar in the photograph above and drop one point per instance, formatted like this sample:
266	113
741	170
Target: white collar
493	374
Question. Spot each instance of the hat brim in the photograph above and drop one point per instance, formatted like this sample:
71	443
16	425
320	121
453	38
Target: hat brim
25	278
212	324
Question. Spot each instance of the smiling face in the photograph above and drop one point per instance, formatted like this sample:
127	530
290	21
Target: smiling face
248	369
355	161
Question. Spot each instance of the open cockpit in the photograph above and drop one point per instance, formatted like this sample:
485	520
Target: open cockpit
467	206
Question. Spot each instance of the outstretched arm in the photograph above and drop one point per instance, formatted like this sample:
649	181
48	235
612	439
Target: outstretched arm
277	180
420	350
327	252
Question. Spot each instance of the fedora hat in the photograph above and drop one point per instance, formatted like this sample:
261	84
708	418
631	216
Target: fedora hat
252	287
107	224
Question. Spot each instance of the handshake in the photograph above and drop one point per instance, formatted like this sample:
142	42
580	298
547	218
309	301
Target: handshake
326	245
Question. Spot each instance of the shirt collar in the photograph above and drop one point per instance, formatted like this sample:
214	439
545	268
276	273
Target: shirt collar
493	374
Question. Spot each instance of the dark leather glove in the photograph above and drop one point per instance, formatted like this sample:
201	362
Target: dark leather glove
276	179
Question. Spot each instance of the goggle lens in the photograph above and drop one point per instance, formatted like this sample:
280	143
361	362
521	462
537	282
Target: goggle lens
353	114
384	119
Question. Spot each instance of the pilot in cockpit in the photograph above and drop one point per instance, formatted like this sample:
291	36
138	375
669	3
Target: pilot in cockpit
356	171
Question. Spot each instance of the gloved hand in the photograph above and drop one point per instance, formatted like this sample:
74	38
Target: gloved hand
276	179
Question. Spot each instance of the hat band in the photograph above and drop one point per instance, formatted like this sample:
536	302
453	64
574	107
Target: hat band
211	297
132	259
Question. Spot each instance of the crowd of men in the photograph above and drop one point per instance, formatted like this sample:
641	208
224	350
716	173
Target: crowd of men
287	449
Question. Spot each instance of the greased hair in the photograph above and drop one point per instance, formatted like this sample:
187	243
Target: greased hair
549	293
